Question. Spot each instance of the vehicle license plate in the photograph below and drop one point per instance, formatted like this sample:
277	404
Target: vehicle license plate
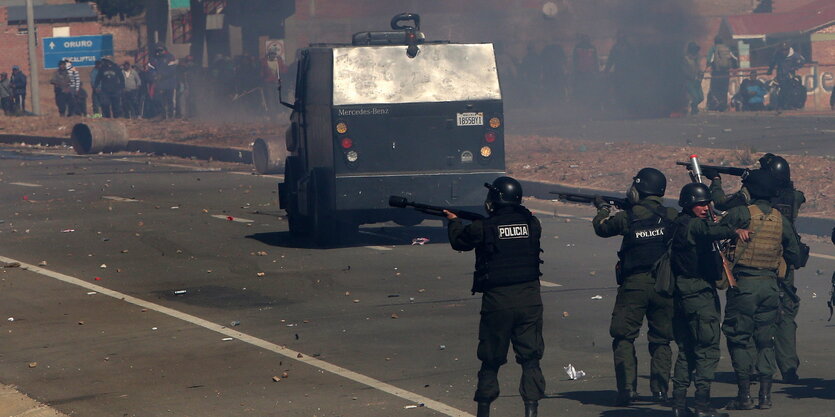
470	119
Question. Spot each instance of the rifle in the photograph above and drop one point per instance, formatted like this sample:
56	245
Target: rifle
618	202
696	176
737	172
401	202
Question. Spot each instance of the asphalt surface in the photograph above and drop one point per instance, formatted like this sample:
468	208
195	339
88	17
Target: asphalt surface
795	133
135	270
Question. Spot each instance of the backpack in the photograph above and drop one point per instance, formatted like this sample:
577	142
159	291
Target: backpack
722	58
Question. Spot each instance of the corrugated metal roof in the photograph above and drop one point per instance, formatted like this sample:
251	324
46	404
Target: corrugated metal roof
805	18
81	11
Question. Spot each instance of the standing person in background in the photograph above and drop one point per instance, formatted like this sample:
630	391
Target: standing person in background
61	87
165	80
586	66
6	93
721	60
75	87
692	70
553	73
130	97
186	73
110	83
94	94
18	83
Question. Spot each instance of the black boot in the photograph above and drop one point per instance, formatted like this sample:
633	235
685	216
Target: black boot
625	398
660	397
680	404
703	408
765	393
530	408
743	396
483	410
790	377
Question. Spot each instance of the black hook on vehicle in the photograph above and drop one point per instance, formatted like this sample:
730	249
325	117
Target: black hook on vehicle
404	17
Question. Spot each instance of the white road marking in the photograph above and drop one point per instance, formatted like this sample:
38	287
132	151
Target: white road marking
252	340
820	255
232	218
378	247
25	184
169	165
549	284
120	199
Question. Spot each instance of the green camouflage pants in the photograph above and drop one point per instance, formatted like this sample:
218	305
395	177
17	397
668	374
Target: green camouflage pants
637	298
696	329
750	324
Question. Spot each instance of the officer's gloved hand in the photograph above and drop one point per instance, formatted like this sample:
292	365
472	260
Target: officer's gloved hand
601	203
710	173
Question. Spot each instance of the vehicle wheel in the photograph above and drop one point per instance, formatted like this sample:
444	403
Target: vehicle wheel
323	224
299	224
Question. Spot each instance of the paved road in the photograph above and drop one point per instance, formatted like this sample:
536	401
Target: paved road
759	131
142	276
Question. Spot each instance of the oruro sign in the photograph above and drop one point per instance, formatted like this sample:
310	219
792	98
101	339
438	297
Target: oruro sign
82	51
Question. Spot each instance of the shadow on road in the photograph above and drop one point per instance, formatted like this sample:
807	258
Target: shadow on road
367	236
811	388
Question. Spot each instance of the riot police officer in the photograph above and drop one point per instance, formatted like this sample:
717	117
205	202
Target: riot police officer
751	311
645	227
507	274
697	313
788	200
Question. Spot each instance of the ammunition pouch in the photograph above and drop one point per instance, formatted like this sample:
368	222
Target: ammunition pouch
804	254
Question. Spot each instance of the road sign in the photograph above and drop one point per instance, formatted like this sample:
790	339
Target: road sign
82	51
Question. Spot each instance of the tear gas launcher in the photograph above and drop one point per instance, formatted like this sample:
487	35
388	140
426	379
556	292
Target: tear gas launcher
735	171
618	202
400	202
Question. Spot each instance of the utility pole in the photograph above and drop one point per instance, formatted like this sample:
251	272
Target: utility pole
35	98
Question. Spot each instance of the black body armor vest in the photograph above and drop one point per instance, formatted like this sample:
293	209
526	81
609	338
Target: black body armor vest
510	253
644	242
693	261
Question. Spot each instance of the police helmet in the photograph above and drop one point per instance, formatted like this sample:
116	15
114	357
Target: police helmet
778	167
760	184
693	194
650	181
504	191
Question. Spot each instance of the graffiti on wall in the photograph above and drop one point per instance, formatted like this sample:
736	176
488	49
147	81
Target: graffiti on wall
819	81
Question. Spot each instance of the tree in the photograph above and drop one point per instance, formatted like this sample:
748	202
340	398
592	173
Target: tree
122	8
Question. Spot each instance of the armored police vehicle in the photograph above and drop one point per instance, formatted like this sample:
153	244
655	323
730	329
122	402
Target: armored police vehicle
390	114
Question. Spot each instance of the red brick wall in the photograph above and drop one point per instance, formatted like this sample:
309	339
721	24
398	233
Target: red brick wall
15	51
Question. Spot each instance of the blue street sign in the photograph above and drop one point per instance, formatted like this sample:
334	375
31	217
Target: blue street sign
82	51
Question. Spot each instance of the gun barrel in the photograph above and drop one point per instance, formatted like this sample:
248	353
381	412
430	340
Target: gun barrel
401	202
589	198
735	171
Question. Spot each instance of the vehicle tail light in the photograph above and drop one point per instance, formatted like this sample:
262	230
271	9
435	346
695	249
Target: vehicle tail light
490	137
347	143
486	151
495	122
352	156
341	128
